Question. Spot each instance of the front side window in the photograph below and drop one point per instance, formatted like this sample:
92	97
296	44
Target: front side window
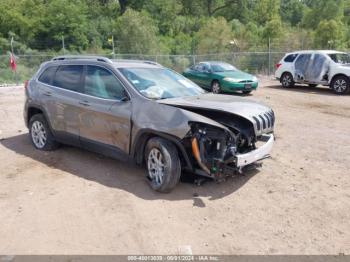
47	76
100	82
160	83
69	77
340	58
222	67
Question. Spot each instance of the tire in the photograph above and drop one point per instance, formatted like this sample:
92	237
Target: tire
340	85
287	80
162	178
312	85
247	92
215	87
40	134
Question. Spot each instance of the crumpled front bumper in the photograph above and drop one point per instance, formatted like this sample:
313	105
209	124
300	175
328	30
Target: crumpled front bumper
257	154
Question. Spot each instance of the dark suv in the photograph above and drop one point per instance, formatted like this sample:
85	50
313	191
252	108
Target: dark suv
141	110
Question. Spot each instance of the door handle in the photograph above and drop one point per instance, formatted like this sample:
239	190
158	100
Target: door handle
47	94
84	103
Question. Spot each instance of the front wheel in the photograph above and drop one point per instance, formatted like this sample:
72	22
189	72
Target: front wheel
340	85
247	92
287	80
215	87
163	165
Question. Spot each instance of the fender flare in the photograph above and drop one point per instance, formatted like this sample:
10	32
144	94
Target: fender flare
141	138
42	109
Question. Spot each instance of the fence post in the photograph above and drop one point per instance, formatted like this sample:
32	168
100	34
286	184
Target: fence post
269	65
63	46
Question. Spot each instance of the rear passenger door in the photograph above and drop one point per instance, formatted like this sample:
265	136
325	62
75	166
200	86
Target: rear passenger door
60	90
301	66
105	117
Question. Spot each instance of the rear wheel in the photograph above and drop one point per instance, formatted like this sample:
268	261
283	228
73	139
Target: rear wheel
215	87
287	80
40	133
340	85
163	164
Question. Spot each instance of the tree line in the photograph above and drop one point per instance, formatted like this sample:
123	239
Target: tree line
173	26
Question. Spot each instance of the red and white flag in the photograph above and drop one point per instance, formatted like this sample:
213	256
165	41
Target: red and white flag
12	62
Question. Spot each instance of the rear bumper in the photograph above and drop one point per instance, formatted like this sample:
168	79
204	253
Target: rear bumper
257	154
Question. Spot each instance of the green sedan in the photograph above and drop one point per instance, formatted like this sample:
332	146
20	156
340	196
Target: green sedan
220	77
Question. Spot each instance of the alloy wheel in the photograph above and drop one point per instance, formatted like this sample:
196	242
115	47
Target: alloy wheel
216	88
38	133
340	85
156	166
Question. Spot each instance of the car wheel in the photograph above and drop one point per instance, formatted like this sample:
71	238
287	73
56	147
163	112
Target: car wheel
312	85
287	80
215	87
163	164
40	133
247	92
340	85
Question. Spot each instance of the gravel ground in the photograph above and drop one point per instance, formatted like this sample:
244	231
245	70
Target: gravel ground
75	202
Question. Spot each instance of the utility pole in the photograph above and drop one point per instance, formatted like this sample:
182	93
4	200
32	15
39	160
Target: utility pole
63	46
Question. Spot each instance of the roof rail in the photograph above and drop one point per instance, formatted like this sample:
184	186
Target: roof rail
71	57
136	61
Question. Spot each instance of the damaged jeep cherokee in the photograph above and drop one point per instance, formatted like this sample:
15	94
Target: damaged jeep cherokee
144	111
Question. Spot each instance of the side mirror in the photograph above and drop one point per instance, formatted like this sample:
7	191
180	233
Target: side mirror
125	97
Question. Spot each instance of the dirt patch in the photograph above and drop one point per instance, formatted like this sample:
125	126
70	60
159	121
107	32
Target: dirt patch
71	201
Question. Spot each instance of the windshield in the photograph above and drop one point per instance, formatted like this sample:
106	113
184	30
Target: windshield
221	67
160	83
341	58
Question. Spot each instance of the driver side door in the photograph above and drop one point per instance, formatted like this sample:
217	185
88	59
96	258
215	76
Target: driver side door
105	117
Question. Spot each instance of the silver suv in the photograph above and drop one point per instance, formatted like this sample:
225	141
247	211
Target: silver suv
141	110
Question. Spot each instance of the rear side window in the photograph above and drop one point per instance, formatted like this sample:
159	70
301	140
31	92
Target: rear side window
69	77
47	76
290	58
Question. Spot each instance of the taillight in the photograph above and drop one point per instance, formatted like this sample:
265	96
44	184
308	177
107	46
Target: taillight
26	83
277	65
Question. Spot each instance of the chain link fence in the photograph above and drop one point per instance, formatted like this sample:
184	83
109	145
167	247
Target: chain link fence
252	62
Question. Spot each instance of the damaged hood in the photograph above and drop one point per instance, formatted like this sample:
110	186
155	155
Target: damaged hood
231	104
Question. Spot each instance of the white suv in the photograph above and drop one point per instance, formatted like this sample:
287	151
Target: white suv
324	67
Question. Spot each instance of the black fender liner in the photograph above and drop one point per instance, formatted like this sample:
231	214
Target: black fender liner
32	105
141	138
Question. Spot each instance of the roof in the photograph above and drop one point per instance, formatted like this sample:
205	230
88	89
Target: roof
316	51
135	63
214	62
115	62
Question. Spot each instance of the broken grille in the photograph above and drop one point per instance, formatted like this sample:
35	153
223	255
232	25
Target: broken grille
264	121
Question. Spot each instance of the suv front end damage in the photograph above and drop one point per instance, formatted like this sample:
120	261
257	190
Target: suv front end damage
219	153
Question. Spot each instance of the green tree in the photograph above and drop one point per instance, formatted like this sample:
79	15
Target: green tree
323	10
136	33
62	18
214	36
329	34
292	11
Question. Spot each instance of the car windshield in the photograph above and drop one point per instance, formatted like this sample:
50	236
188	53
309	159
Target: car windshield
160	83
341	58
221	67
